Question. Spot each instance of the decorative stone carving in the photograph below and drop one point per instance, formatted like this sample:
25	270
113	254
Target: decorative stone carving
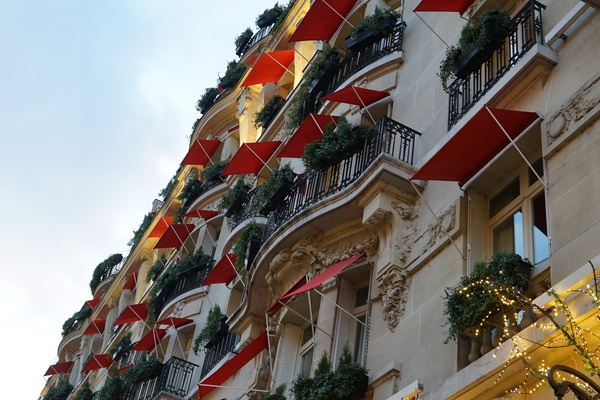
574	110
179	308
444	224
245	102
393	287
408	228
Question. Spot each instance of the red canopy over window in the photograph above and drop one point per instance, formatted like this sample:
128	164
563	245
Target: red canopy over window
356	95
131	282
474	145
251	158
96	326
204	214
174	236
201	152
161	227
444	5
174	321
222	272
98	362
322	20
312	128
277	305
269	67
135	312
150	340
232	366
93	303
60	368
330	272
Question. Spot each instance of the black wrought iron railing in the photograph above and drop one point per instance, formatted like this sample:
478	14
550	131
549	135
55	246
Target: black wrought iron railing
387	137
525	31
198	191
175	378
185	282
218	351
246	212
258	36
112	271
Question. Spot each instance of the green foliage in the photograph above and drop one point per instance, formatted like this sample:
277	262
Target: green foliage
266	113
212	172
273	12
210	329
243	37
240	245
265	191
112	389
70	323
240	187
335	145
85	393
143	371
122	347
446	66
376	22
139	232
59	392
166	191
284	12
278	394
156	269
296	110
234	72
194	259
468	304
351	379
191	188
179	213
102	268
207	99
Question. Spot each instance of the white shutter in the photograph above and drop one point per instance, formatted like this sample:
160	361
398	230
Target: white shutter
287	355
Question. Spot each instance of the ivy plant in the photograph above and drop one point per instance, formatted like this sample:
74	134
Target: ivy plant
156	269
210	329
139	232
240	245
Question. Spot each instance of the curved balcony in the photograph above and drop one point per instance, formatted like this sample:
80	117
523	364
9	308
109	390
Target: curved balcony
258	36
217	351
175	379
185	282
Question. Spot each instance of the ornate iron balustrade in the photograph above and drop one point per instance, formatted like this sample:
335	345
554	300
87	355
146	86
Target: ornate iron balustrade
258	36
112	271
525	31
387	137
218	351
584	389
246	212
185	282
175	378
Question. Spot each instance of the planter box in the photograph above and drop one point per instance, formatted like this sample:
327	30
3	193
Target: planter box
240	49
237	205
190	269
280	192
208	104
220	331
367	37
193	193
319	84
267	21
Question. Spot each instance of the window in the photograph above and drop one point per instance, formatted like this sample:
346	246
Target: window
517	216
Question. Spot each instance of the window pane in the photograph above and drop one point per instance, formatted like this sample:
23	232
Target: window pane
502	199
538	166
508	236
359	341
306	362
362	295
540	229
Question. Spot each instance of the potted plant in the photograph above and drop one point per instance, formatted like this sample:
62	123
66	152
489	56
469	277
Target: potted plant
234	72
214	329
101	270
233	201
113	388
85	393
207	99
264	117
323	69
212	173
269	16
247	244
478	40
274	190
190	191
59	392
335	145
372	28
350	377
195	261
121	348
242	40
156	269
143	371
278	394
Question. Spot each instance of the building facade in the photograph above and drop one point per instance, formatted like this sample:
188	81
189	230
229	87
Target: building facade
232	296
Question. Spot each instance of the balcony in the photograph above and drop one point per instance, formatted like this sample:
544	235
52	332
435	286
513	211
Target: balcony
175	379
217	350
186	281
387	137
525	32
258	36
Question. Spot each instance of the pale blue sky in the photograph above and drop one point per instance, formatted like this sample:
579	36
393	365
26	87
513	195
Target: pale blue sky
96	103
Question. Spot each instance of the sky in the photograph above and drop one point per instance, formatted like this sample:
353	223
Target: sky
97	102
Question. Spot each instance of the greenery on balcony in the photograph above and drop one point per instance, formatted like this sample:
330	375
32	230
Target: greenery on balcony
371	28
269	16
207	99
121	348
113	388
156	269
139	232
248	239
143	371
242	40
348	382
278	394
477	296
85	393
336	145
235	198
266	114
167	190
103	268
211	330
234	72
59	392
273	190
73	322
212	173
481	32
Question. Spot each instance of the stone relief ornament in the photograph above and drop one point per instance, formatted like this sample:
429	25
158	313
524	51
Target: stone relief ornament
405	238
445	223
179	308
393	286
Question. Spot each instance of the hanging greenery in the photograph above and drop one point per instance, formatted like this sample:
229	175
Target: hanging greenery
143	371
70	324
238	189
156	269
212	172
103	268
211	329
121	348
85	393
167	190
113	388
59	392
139	232
266	114
207	99
240	245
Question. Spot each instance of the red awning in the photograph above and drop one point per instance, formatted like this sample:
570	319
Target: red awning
161	227
174	321
125	368
201	152
312	128
322	20
330	272
356	95
60	368
150	340
251	158
98	362
96	326
135	312
474	145
277	305
444	5
269	67
93	303
222	272
174	236
131	282
232	366
204	214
